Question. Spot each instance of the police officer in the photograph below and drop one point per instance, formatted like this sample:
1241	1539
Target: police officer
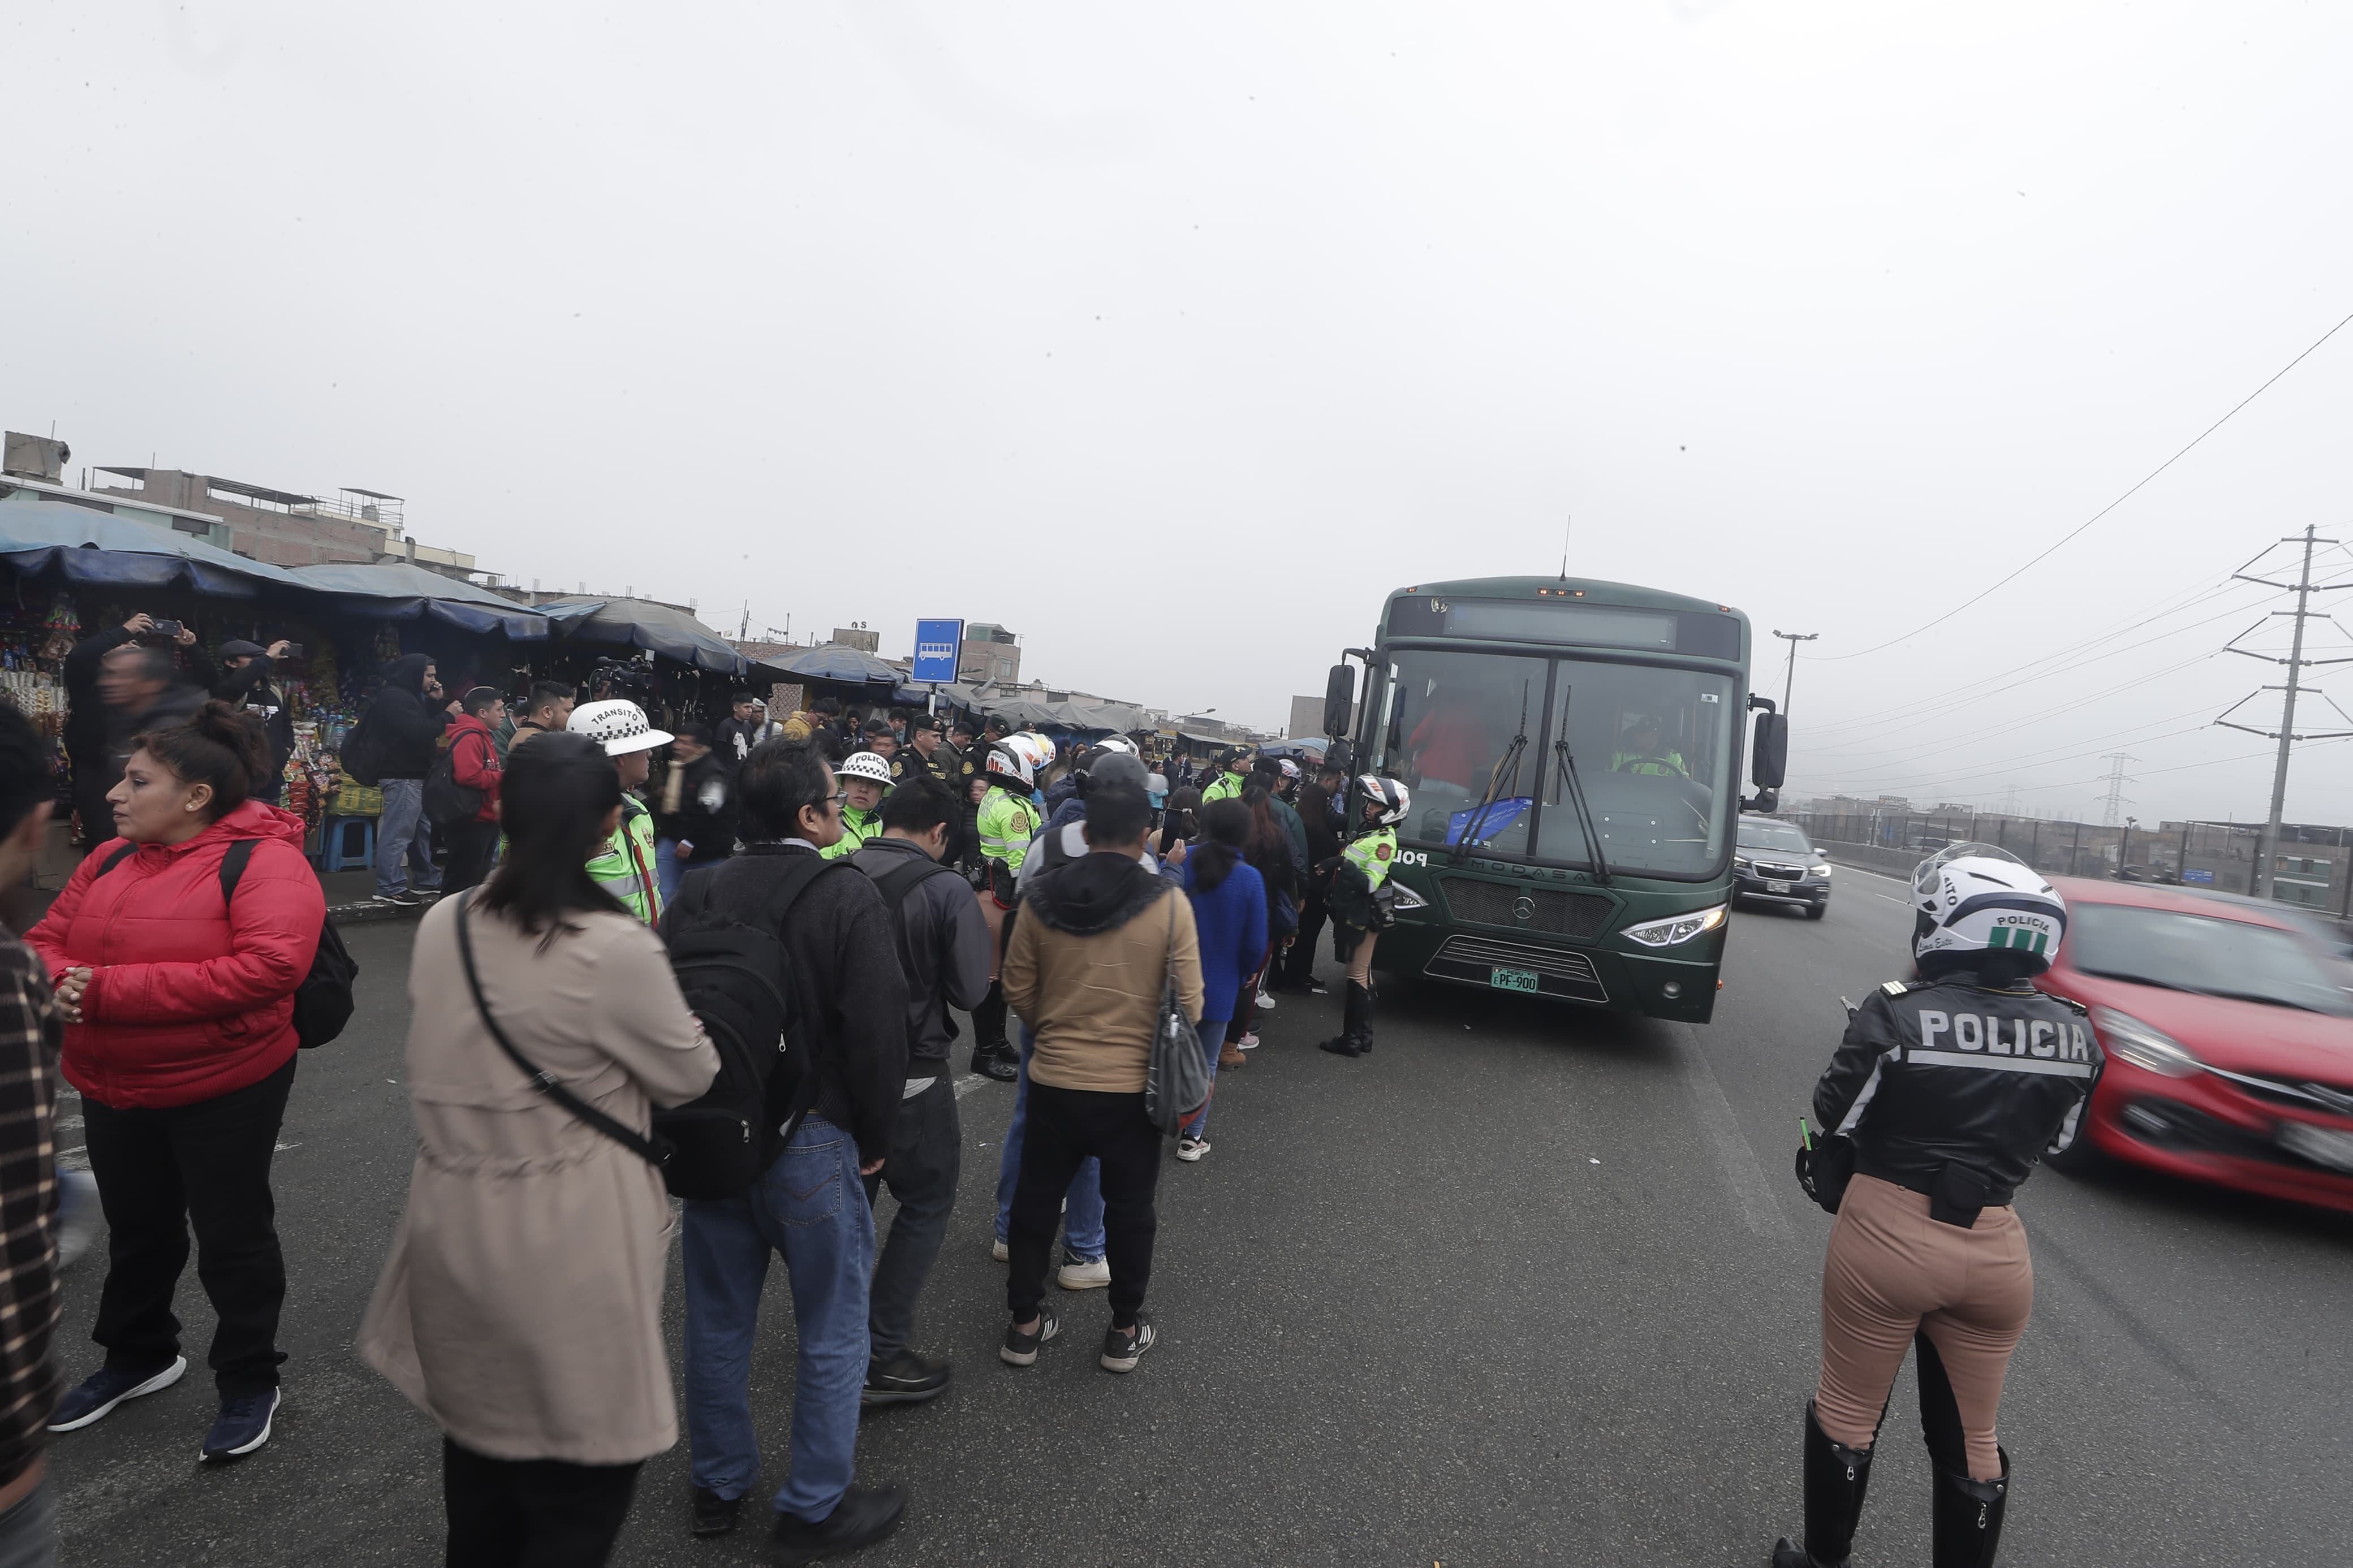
1235	773
1358	902
1007	823
1940	1099
865	779
625	865
927	753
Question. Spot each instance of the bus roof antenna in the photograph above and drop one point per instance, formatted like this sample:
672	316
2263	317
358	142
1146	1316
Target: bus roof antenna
1564	545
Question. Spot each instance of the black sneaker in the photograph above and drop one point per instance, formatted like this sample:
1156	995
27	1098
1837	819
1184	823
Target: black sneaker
863	1516
714	1514
1316	987
93	1399
1123	1348
1020	1349
243	1427
903	1378
1340	1045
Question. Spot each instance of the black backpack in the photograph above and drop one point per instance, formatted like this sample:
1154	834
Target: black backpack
895	885
738	980
446	800
323	1002
361	754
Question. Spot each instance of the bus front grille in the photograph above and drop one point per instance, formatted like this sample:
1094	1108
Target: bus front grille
1477	958
1517	905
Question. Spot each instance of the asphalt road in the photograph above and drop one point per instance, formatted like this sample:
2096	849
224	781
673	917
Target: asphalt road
1526	1287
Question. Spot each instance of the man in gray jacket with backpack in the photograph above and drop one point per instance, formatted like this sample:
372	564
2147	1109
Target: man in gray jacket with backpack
944	946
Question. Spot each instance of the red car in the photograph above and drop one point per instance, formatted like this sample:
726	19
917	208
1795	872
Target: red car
2229	1036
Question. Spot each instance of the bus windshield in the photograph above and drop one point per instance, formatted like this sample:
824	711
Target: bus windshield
1654	748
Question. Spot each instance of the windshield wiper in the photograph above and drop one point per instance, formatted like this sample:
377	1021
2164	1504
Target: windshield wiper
2267	1001
1577	799
1506	766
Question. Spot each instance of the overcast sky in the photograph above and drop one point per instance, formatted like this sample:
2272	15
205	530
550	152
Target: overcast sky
1175	338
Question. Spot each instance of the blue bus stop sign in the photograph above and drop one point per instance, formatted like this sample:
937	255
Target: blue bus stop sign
937	643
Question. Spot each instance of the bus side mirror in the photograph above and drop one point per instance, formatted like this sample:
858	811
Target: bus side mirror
1339	701
1769	756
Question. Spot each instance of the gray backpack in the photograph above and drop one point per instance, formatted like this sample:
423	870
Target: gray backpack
1177	1081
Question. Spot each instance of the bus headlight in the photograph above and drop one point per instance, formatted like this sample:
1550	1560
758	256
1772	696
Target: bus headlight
1404	898
1676	928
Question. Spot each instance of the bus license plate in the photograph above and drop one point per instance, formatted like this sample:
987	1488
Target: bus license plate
1512	979
1777	887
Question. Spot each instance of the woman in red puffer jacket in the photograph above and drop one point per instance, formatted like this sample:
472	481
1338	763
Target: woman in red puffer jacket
181	1038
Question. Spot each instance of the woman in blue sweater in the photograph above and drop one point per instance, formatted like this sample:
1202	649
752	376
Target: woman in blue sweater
1230	916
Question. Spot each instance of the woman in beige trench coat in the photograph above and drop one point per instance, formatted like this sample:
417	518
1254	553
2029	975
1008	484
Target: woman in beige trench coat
521	1307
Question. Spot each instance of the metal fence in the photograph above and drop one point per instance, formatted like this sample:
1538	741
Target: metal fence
2312	866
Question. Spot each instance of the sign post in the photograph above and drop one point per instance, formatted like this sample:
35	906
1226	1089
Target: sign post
938	644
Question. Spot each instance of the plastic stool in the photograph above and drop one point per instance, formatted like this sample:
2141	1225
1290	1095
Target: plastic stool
335	851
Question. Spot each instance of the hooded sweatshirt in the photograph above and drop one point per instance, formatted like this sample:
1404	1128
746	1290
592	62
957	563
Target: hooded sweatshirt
1097	941
190	999
405	721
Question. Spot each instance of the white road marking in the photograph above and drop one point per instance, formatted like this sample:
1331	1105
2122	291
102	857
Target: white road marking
1734	1160
1891	897
969	1082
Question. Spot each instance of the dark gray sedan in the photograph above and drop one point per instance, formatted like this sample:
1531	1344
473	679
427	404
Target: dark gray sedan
1775	862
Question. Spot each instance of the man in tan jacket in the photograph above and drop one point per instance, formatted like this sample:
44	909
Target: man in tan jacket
1096	942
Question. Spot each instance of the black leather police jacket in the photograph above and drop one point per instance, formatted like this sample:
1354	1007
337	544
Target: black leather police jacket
1943	1072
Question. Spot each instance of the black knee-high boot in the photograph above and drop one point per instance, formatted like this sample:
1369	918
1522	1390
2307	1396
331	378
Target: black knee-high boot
1836	1480
1355	1035
1967	1518
992	1054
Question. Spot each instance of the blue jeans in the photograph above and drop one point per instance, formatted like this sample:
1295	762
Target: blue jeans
1212	1032
668	868
1083	1219
811	1208
405	833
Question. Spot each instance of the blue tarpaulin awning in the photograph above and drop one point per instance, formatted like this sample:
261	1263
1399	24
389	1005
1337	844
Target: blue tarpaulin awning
834	662
641	623
402	590
100	549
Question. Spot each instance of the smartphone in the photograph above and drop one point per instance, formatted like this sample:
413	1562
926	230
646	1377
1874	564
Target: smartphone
295	650
165	628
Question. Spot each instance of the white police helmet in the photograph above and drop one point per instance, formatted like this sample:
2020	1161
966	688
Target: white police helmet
1393	797
618	725
1973	899
865	765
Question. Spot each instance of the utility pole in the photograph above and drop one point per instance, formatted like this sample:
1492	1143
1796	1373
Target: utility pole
1790	682
2304	587
2117	779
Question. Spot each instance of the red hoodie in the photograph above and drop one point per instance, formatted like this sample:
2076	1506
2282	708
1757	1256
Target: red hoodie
189	999
474	761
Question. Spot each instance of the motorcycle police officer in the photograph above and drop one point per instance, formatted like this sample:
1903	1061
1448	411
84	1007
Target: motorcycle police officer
1942	1096
1359	900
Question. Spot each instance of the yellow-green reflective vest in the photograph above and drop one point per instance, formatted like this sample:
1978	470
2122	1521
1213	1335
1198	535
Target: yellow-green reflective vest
625	866
1373	854
1007	823
857	827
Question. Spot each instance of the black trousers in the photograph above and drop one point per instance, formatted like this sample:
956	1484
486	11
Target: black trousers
926	1153
1299	962
532	1513
1065	1126
471	846
205	1164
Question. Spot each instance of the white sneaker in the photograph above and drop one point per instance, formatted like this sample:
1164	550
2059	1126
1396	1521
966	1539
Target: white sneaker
1191	1149
1000	1251
1264	1000
1076	1276
1248	1042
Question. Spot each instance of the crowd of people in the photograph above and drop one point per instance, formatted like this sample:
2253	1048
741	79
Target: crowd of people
742	993
877	874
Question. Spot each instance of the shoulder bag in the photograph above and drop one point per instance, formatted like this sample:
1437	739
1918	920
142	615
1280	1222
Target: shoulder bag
1177	1078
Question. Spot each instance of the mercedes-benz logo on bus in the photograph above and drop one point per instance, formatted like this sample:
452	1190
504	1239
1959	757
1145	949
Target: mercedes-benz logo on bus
1524	910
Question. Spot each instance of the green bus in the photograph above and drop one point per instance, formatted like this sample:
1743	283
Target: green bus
1573	749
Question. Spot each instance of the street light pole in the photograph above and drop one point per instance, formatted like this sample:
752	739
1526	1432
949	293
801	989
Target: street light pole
1789	683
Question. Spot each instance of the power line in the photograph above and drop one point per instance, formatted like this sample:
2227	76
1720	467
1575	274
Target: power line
2208	591
2112	506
